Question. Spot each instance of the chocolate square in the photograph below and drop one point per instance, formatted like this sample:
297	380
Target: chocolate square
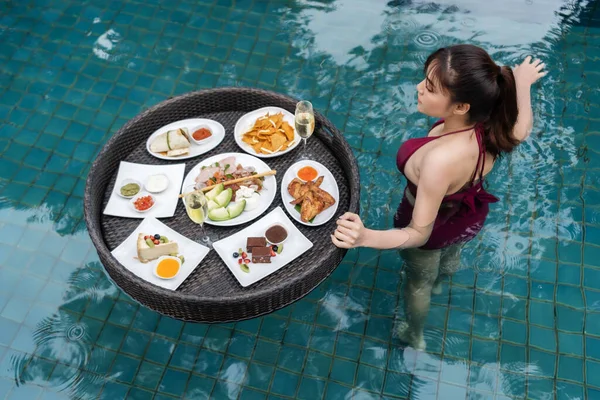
253	242
261	255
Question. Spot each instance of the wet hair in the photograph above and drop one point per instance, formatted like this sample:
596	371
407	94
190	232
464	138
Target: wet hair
469	75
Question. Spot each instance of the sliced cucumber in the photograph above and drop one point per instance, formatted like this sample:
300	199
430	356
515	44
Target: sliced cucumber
236	209
224	197
212	195
219	214
212	205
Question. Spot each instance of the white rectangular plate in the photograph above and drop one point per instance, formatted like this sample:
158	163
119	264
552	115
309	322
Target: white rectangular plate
126	254
166	201
295	245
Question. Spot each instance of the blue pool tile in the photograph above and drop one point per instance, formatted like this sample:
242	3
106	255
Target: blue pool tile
259	376
318	364
149	375
184	356
541	363
566	391
291	358
224	390
298	334
569	274
370	378
513	331
191	333
311	389
484	351
591	277
199	388
397	384
336	391
343	371
538	388
459	321
323	339
208	363
273	328
285	383
512	356
592	347
216	338
570	368
241	345
249	394
569	320
485	326
266	351
348	346
570	343
542	338
570	296
173	382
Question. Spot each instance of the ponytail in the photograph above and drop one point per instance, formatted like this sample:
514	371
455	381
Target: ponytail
501	122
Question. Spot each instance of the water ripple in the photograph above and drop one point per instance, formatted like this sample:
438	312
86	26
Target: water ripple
427	39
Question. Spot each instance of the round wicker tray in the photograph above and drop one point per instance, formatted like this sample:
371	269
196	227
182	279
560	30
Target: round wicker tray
211	293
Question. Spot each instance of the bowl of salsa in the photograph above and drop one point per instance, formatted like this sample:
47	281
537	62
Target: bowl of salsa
201	134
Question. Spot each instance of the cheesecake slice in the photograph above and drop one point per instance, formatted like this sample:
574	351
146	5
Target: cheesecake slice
147	253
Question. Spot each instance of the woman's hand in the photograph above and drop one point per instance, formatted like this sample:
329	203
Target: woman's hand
350	232
528	72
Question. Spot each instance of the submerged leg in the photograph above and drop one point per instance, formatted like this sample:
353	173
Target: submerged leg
422	268
449	264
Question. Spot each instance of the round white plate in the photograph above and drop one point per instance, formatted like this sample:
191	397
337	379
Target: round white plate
267	194
329	185
246	122
218	133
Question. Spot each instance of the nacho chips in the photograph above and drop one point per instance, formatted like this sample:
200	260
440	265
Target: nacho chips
270	134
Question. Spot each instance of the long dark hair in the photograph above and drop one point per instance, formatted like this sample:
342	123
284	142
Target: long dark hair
469	75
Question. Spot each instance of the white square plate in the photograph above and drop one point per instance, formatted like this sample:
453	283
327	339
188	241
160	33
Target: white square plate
166	201
295	245
126	254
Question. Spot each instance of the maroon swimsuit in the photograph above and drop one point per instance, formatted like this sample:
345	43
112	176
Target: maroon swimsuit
461	214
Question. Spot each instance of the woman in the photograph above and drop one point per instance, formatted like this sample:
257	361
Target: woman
484	111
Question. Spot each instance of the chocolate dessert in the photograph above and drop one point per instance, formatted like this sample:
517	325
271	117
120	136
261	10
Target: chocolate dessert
255	242
261	255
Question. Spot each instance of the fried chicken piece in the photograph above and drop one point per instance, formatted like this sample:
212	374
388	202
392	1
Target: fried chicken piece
314	200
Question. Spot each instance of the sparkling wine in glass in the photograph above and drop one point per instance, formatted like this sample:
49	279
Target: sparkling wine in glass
304	121
196	206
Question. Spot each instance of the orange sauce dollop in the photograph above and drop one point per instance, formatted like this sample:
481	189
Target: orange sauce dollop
201	134
167	268
307	173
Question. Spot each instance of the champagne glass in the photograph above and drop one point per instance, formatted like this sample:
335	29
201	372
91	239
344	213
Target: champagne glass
305	124
196	206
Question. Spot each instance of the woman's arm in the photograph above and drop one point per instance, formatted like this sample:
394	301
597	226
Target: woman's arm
433	186
526	75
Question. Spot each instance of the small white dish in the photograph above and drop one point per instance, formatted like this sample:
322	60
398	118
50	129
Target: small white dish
155	269
302	166
287	234
126	182
139	195
201	141
296	245
157	183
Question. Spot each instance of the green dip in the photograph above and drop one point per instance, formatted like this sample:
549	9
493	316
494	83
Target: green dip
131	189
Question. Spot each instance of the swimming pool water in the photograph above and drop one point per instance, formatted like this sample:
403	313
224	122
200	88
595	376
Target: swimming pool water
520	320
